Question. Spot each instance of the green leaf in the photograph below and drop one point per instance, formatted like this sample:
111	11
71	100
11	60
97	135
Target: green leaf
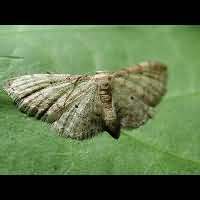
168	144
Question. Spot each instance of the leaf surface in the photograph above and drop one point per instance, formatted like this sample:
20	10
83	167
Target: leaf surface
168	144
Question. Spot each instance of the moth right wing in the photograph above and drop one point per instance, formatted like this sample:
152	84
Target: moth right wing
136	90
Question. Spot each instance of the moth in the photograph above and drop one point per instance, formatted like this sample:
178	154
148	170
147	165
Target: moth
82	106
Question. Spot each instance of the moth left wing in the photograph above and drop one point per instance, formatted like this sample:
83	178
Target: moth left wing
136	90
82	117
36	94
69	102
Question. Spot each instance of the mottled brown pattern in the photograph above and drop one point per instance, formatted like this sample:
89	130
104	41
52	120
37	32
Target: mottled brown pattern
81	106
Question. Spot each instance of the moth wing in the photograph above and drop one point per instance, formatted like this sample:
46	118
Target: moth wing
136	90
82	118
36	94
69	103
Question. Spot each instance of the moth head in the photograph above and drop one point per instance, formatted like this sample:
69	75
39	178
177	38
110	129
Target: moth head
103	75
102	72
